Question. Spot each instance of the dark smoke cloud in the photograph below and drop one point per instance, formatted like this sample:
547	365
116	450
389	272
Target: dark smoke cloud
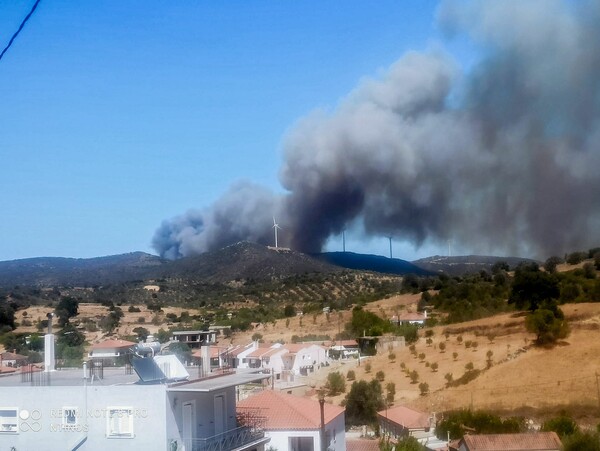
504	159
244	212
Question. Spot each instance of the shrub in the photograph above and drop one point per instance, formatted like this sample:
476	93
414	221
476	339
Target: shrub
351	375
434	367
335	384
424	388
414	377
367	367
380	376
133	309
563	425
442	347
390	388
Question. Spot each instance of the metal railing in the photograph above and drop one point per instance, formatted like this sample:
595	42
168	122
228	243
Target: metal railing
234	438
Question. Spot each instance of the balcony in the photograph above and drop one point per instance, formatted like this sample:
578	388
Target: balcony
230	440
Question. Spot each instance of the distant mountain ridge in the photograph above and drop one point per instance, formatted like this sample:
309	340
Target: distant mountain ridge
239	261
465	264
63	271
369	262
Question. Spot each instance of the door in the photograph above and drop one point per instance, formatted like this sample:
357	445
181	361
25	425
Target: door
188	426
219	414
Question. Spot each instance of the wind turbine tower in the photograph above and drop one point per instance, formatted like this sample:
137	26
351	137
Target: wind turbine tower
390	238
275	227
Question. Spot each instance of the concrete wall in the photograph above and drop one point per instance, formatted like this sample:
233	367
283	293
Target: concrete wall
41	417
204	413
280	439
335	430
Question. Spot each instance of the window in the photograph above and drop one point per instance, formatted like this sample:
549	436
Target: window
9	423
119	422
69	417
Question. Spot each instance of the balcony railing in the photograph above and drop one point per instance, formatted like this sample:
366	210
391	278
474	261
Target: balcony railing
232	439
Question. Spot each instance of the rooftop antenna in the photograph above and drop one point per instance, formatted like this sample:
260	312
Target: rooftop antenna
390	238
275	227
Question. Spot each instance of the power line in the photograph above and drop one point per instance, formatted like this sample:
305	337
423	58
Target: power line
14	36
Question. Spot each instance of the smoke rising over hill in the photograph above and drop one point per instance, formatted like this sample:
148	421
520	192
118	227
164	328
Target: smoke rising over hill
503	159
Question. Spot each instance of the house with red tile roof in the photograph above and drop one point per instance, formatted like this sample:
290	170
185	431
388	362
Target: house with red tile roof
304	358
294	423
414	318
110	349
401	421
362	444
285	361
12	359
529	441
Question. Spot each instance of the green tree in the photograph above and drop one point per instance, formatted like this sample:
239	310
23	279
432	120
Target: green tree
390	389
575	258
335	384
380	376
549	325
551	264
434	367
405	444
424	388
531	287
141	332
7	316
414	377
442	347
66	309
362	403
563	425
458	422
581	441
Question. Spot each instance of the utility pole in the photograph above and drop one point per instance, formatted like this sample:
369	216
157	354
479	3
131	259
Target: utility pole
322	405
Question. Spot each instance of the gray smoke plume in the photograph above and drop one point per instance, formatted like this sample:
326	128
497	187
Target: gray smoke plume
504	159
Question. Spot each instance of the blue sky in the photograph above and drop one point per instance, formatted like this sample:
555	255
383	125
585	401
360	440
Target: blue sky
116	115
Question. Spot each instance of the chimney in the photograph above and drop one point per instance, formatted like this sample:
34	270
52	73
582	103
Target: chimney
49	346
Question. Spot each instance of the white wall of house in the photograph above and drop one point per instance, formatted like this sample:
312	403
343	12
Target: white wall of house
41	421
275	362
335	430
280	440
310	355
244	354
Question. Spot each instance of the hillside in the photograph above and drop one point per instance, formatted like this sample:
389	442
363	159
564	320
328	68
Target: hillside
243	261
59	271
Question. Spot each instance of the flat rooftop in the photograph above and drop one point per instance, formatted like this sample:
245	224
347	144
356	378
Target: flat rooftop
118	376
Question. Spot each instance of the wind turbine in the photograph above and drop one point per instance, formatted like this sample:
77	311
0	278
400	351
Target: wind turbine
275	227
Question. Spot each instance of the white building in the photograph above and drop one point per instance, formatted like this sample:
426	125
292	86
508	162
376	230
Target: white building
293	423
119	412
